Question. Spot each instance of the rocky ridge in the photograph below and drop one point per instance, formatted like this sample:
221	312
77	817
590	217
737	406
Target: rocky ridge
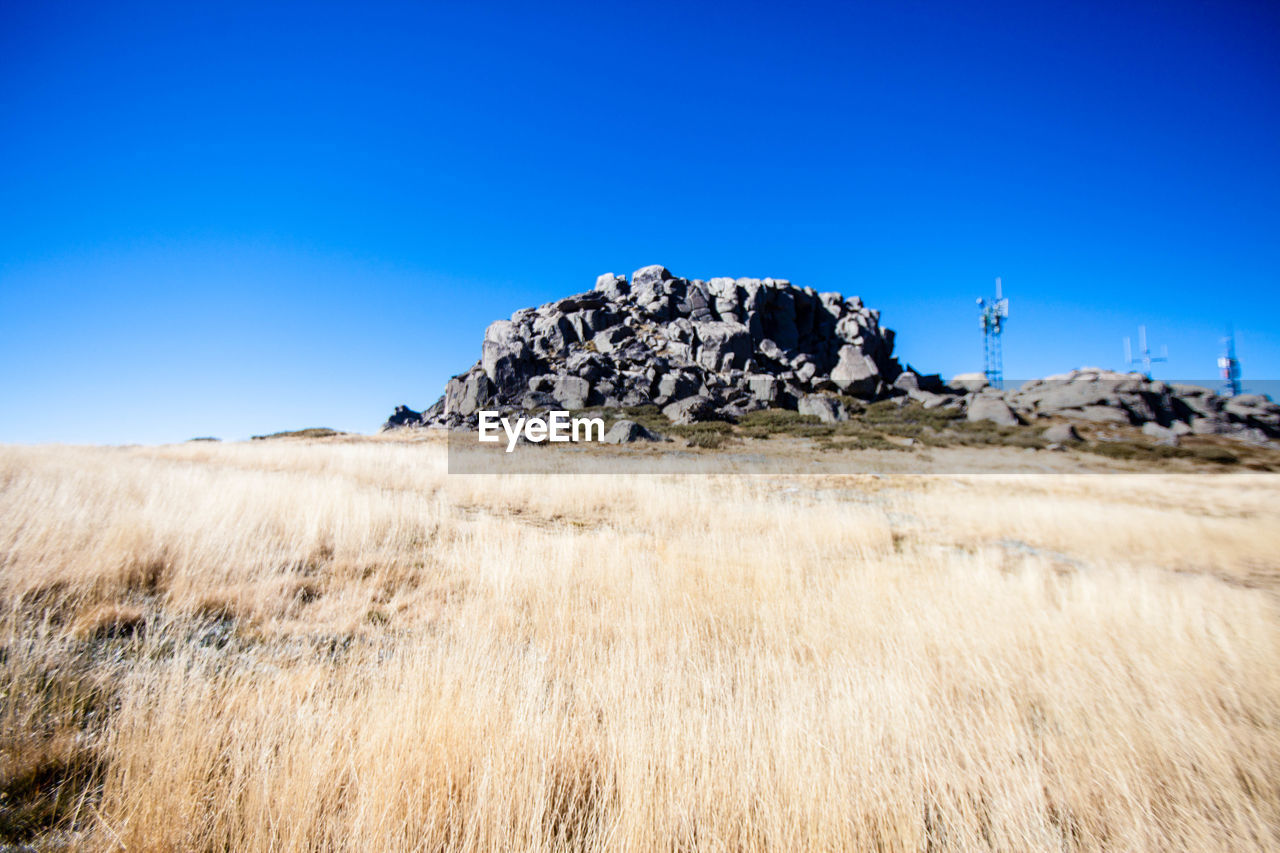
719	349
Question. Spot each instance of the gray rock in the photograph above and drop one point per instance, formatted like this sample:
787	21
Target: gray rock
930	400
1254	410
403	417
1055	397
1249	401
464	395
907	381
589	365
770	350
987	407
1210	426
697	303
1098	414
650	275
552	333
1061	434
570	392
855	373
828	409
675	386
762	387
591	321
613	287
968	381
690	410
1162	435
626	432
652	291
611	339
718	340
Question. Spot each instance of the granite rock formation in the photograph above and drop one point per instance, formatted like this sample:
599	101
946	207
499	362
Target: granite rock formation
718	349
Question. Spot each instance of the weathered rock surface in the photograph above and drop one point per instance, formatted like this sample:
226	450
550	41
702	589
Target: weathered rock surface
626	432
718	349
1162	434
991	407
828	409
700	349
1061	434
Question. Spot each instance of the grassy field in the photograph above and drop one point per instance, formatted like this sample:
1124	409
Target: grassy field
333	644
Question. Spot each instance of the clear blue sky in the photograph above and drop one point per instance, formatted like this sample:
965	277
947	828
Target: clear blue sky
252	217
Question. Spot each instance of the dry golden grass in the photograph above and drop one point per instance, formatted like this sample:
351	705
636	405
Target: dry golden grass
335	645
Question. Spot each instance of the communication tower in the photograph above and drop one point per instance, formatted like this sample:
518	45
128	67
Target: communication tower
1144	357
1230	366
994	314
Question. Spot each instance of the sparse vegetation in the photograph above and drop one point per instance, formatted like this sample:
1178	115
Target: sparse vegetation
1146	451
884	424
310	432
767	423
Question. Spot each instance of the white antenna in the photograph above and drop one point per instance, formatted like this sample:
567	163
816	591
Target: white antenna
1145	358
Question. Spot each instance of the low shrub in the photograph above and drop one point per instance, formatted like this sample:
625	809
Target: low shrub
310	432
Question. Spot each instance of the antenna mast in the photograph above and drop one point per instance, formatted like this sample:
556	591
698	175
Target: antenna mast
1144	358
1230	366
994	313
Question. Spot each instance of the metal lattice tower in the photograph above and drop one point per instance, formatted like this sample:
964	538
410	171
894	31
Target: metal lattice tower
1144	357
994	314
1230	366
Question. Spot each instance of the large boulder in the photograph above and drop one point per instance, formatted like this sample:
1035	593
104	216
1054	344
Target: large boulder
613	287
1099	414
1162	435
827	409
612	339
651	288
465	395
990	407
564	390
506	356
971	382
722	345
676	386
1061	434
855	373
691	410
626	432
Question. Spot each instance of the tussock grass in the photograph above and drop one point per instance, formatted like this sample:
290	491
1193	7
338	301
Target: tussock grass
300	646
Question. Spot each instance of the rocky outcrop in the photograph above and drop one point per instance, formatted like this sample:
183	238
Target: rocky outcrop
700	349
720	348
1164	410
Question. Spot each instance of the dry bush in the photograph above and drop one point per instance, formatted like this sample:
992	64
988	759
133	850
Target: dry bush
345	647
